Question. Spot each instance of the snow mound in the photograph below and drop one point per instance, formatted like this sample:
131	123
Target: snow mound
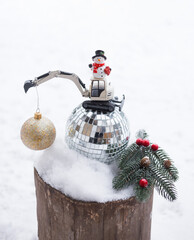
79	177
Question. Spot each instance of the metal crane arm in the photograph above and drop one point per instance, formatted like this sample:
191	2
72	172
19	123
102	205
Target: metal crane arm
47	76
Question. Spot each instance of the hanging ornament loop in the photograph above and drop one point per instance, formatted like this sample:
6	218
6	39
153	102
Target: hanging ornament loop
38	102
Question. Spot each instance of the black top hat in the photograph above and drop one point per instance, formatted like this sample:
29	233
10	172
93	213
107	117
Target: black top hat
99	53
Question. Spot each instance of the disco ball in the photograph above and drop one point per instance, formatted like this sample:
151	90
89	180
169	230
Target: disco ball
97	135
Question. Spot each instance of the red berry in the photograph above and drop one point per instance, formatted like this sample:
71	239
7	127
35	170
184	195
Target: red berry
127	138
154	147
146	143
143	182
139	141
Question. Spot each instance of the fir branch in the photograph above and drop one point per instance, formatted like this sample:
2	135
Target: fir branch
128	154
130	167
139	173
125	177
163	185
172	171
136	158
154	159
161	153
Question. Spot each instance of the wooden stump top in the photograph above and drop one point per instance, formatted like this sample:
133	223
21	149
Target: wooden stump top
61	217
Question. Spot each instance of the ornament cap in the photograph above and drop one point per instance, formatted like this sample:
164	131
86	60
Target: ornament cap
37	115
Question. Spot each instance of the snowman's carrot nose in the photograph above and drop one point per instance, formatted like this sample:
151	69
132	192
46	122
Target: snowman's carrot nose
98	59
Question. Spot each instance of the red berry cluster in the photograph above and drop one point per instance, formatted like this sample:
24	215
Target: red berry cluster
146	143
143	142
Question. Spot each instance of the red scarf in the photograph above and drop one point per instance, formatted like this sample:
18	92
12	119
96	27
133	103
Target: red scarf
96	66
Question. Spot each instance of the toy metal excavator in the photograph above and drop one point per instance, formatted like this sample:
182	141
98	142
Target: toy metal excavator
100	91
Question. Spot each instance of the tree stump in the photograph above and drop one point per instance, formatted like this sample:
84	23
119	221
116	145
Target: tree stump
63	218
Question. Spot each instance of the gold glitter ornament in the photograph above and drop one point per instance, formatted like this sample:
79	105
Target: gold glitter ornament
38	132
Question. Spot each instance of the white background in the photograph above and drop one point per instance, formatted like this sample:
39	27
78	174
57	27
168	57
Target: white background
149	46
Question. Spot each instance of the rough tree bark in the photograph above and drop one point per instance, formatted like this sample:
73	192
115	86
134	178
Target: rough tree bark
63	218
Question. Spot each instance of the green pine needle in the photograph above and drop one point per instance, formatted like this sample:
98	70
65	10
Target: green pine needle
125	177
164	186
128	154
172	171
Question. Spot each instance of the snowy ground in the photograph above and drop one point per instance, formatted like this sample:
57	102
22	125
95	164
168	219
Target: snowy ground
149	46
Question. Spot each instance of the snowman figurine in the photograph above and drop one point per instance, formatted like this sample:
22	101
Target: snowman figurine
99	69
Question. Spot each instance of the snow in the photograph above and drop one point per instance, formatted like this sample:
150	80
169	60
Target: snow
79	177
149	46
